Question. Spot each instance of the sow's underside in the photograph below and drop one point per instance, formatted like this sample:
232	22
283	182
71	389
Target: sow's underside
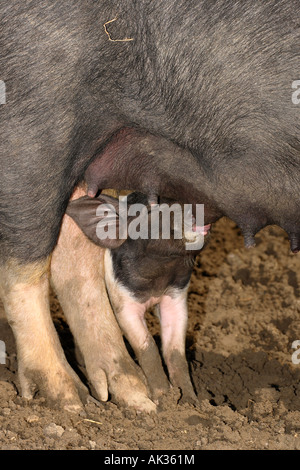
211	99
207	86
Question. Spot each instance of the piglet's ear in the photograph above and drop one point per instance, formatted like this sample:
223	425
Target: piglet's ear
98	218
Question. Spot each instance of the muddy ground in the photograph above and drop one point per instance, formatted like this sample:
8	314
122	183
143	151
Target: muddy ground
244	316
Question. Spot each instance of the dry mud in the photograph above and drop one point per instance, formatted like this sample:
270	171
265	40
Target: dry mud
244	317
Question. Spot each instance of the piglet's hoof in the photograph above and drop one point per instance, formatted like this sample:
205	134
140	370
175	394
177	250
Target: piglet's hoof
189	396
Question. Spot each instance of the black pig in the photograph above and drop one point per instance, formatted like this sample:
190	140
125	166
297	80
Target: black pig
212	80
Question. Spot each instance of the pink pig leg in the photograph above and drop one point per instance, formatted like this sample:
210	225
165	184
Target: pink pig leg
132	322
131	318
173	314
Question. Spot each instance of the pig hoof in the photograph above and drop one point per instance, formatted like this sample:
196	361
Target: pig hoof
141	404
187	394
190	398
159	392
158	385
178	395
98	383
59	388
129	391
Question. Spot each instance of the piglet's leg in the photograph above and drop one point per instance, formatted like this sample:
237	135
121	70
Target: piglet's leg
173	314
132	321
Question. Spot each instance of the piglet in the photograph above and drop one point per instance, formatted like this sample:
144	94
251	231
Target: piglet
143	273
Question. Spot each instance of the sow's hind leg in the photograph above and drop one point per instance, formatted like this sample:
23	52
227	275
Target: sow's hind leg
27	236
77	272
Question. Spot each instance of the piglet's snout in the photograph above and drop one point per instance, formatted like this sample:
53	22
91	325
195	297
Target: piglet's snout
194	238
203	230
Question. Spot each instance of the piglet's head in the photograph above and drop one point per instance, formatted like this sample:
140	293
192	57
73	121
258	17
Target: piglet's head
110	223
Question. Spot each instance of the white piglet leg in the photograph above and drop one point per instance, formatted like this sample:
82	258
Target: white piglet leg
132	321
130	315
173	319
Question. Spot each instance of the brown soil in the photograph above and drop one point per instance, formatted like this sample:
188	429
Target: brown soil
244	316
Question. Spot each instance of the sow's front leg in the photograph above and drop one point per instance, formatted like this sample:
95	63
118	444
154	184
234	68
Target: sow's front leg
41	362
42	366
77	276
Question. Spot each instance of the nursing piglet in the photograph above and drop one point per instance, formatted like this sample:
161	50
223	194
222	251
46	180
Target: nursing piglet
146	272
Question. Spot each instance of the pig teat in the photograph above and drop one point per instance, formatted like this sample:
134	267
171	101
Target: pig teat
295	242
